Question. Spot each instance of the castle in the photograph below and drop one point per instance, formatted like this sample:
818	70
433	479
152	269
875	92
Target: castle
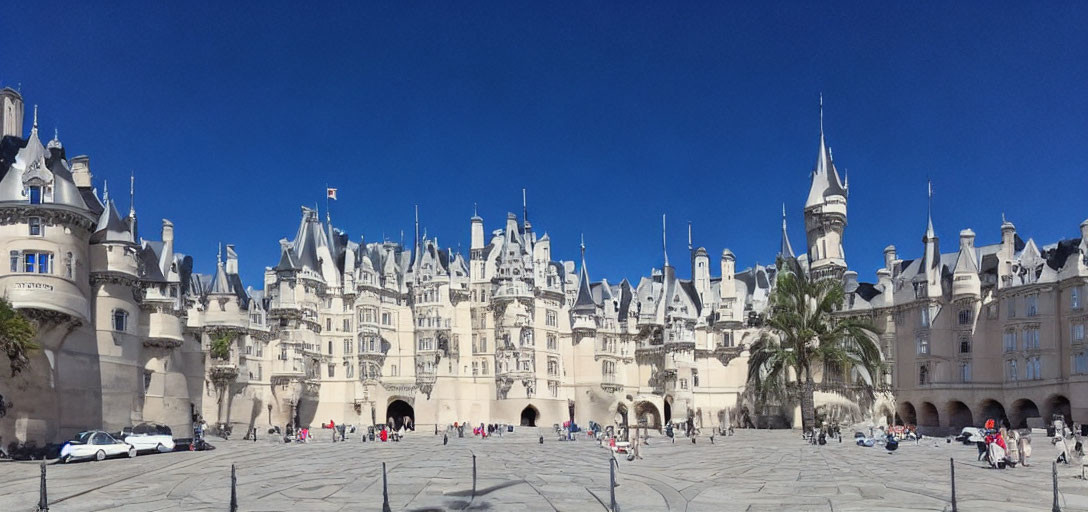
367	332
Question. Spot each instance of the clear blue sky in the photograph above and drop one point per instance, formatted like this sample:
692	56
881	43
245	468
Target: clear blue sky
609	113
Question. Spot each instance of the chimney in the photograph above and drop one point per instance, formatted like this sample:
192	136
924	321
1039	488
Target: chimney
167	232
232	260
889	257
884	282
850	281
1008	237
967	239
81	171
11	110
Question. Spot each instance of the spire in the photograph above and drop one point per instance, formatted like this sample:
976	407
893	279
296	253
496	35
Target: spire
524	209
664	249
56	133
786	249
132	194
105	191
929	210
584	303
825	178
34	128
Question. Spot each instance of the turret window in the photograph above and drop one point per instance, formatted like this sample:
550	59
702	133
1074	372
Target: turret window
35	194
32	262
120	320
966	316
36	228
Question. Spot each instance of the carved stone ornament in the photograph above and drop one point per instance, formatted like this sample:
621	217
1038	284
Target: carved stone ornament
50	215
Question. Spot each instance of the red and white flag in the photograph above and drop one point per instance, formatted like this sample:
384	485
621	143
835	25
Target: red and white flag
331	193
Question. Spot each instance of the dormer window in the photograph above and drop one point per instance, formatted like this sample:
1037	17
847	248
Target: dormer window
35	194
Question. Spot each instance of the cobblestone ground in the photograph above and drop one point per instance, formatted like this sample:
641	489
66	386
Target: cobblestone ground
751	471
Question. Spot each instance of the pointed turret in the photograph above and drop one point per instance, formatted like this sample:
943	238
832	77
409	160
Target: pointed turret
932	257
785	251
584	303
825	214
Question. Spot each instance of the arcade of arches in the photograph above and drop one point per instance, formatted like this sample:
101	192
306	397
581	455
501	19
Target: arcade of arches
958	414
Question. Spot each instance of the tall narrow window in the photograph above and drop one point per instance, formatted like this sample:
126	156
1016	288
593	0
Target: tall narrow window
16	259
120	320
923	375
68	263
1032	304
1075	297
35	194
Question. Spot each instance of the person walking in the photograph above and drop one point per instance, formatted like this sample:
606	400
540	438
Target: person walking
1013	444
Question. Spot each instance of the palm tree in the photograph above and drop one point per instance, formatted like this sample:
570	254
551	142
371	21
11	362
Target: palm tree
16	337
803	332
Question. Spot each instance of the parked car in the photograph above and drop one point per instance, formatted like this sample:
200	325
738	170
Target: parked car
94	444
971	435
150	438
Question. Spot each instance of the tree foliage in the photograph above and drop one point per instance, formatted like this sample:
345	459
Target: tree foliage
16	337
803	335
220	346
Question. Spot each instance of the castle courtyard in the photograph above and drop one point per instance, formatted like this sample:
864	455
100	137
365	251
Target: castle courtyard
754	470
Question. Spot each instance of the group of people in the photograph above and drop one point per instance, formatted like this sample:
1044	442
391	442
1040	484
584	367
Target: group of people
1004	448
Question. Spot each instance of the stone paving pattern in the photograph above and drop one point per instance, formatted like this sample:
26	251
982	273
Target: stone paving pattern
751	471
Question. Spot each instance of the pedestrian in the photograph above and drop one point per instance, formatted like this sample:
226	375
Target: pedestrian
1013	444
1025	449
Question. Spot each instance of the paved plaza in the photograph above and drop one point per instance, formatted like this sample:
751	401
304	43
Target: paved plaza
751	471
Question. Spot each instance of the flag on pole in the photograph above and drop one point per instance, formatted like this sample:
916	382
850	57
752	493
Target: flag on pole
331	193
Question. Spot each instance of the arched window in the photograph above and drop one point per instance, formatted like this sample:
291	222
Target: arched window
120	320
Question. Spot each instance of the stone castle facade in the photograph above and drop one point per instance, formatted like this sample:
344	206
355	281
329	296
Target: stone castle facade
360	332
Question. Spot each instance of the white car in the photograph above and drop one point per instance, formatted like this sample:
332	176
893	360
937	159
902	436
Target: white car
150	438
971	435
95	444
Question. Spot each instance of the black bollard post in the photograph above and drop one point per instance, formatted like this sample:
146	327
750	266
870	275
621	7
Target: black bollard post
612	482
233	490
445	440
473	475
385	492
541	439
1056	507
43	498
952	466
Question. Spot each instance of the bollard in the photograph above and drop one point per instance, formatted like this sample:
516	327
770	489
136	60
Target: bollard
43	499
473	475
541	439
1056	508
612	482
952	466
445	440
385	492
233	490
